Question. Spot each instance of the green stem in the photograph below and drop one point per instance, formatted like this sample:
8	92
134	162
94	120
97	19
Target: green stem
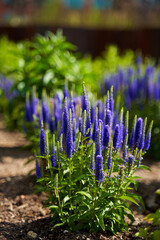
70	181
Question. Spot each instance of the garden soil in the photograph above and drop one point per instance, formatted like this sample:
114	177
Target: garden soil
22	215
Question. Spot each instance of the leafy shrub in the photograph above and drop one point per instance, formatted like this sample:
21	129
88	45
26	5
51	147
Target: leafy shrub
50	62
86	169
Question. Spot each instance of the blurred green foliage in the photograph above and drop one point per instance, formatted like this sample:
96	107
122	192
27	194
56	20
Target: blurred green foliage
9	56
111	60
50	62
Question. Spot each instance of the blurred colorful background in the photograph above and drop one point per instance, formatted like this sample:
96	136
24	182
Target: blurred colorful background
89	24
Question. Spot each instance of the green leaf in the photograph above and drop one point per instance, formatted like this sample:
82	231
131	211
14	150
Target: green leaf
30	160
138	198
58	225
154	217
142	232
157	191
66	171
130	216
85	194
145	167
54	207
129	199
100	220
79	177
156	235
65	199
87	203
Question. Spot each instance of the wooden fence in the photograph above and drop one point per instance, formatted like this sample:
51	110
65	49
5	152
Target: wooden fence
93	41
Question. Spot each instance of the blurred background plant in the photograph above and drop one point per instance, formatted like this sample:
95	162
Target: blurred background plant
9	56
50	62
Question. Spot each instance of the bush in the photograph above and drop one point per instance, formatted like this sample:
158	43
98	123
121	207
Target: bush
87	169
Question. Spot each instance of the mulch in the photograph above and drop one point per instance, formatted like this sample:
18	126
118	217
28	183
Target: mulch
22	215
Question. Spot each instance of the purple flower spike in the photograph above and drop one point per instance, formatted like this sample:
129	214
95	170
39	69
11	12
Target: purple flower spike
102	129
138	130
65	93
42	142
92	163
141	142
100	106
84	101
106	135
65	119
115	120
107	101
45	112
80	125
148	137
121	124
95	129
34	103
53	154
88	126
109	163
108	117
99	168
132	138
147	141
38	170
51	125
28	111
93	112
124	153
111	101
69	138
99	140
71	106
117	137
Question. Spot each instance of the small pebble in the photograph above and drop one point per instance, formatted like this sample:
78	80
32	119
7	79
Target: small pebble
32	235
8	179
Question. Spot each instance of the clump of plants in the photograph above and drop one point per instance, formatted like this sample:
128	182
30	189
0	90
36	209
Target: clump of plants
139	90
86	167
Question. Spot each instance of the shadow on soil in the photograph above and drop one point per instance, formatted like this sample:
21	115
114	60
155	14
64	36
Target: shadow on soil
150	198
17	185
13	152
12	231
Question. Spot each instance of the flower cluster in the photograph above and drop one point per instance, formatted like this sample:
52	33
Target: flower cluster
135	84
6	87
71	122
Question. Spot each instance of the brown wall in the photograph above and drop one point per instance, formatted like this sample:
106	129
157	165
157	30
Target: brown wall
93	41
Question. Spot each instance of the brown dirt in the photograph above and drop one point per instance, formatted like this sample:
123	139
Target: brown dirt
21	210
